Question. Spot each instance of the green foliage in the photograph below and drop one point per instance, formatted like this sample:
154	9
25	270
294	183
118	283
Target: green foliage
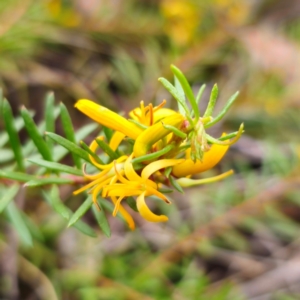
39	154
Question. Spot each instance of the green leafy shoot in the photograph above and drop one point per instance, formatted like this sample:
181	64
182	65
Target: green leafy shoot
72	147
212	101
83	208
223	111
16	219
35	135
105	147
177	95
49	116
69	131
101	219
154	155
200	93
13	134
187	90
17	176
54	201
90	152
56	166
181	93
9	195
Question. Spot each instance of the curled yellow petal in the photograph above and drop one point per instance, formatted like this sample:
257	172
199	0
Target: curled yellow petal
133	176
108	118
187	182
158	165
210	159
146	213
125	214
116	140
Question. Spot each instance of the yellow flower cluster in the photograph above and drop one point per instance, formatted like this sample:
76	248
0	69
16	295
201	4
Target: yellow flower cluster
156	148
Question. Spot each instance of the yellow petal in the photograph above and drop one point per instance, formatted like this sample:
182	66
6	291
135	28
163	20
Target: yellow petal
116	140
129	170
117	206
210	159
133	176
151	191
158	165
146	213
125	214
119	189
108	118
186	182
163	113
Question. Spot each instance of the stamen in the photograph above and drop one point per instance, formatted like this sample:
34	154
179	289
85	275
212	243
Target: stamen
117	205
151	114
156	108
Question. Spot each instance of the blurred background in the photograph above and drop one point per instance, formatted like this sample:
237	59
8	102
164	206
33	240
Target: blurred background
237	239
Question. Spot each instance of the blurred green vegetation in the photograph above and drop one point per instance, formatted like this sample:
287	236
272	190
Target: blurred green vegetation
237	239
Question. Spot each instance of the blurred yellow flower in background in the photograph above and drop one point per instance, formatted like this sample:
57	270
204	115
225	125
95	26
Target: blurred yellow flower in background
182	19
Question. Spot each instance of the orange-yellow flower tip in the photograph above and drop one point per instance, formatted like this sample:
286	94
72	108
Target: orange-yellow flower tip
210	159
146	213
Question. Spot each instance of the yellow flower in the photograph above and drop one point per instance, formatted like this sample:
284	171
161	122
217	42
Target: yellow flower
160	138
118	180
182	20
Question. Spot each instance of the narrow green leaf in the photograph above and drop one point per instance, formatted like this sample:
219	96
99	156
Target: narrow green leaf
212	101
9	195
60	152
102	220
187	90
105	147
175	130
16	176
48	180
35	135
168	171
154	155
69	131
69	145
229	136
85	228
29	147
142	126
54	201
94	155
132	203
165	190
17	221
32	227
200	93
83	208
13	134
175	184
56	166
49	116
223	111
19	124
181	93
107	132
173	91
